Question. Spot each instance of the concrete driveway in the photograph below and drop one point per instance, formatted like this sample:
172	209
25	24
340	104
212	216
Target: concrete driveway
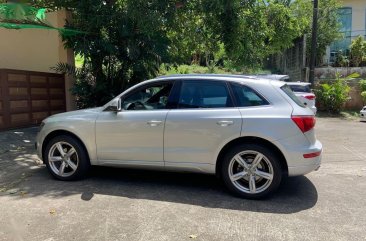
119	204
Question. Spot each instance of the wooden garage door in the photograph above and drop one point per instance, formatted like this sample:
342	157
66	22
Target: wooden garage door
26	98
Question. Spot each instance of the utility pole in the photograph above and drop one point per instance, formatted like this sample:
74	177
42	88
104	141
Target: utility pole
313	43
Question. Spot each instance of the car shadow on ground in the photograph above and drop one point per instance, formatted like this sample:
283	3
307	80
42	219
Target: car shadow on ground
294	195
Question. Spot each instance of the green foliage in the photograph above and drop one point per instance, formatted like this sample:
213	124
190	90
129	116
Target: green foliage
85	89
357	50
333	96
128	40
328	24
166	69
363	90
341	60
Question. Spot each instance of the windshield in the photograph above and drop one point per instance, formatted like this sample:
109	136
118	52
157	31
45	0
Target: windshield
300	88
288	91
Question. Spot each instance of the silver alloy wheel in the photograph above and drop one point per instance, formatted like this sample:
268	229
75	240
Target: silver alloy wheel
251	172
63	159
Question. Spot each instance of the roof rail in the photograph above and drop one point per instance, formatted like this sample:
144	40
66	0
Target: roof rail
208	75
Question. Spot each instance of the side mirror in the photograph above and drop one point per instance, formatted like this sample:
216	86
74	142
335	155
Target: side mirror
115	106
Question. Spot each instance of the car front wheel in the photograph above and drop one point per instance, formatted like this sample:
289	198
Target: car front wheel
66	158
251	171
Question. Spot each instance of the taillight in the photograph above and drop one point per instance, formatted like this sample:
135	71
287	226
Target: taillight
312	155
304	122
309	97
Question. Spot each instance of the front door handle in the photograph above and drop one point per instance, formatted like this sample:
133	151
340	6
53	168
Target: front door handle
225	123
154	123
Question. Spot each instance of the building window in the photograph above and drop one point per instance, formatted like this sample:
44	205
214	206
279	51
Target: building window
345	19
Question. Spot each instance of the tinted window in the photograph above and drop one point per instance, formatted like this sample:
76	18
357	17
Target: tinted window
300	88
246	96
149	98
291	94
204	94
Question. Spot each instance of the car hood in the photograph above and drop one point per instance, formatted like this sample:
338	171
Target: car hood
85	114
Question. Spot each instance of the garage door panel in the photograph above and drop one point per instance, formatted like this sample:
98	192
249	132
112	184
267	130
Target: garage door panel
39	115
57	91
16	104
21	118
26	98
34	79
17	78
39	91
40	104
15	91
54	112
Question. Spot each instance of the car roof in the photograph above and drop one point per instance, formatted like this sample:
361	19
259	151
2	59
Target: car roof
207	76
273	76
247	79
298	83
227	77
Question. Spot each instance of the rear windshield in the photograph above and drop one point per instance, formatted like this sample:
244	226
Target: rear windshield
300	88
291	94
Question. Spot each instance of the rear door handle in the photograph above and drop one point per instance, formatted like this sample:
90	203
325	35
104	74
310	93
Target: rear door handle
154	123
225	123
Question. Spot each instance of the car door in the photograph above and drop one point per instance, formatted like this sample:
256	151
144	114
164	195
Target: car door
203	122
134	136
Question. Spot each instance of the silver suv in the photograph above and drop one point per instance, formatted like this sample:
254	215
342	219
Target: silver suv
249	131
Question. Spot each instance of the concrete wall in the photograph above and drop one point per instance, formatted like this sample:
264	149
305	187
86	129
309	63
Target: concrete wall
37	50
326	74
330	72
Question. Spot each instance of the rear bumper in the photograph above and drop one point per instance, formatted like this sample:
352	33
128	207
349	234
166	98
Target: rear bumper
363	115
305	169
294	151
302	165
314	109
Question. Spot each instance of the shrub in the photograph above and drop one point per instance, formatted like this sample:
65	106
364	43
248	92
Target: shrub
332	96
363	90
341	60
357	51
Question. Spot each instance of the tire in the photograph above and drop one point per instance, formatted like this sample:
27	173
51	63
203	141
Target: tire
67	153
247	181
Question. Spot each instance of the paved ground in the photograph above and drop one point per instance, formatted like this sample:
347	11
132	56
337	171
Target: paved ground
117	204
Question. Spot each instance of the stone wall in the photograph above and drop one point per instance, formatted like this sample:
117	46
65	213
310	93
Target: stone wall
325	74
330	72
291	62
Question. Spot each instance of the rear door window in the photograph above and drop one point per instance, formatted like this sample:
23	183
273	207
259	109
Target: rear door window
204	94
288	91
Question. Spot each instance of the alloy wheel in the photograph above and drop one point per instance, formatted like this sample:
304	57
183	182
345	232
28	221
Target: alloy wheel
63	159
251	172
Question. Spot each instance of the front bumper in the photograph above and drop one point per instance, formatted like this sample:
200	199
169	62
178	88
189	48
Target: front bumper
38	147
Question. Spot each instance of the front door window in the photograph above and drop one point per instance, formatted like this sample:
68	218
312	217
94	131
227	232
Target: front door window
152	97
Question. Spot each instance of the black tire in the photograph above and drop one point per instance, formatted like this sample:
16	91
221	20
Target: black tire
270	156
83	159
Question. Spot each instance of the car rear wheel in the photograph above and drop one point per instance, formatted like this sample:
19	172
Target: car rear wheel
66	158
251	171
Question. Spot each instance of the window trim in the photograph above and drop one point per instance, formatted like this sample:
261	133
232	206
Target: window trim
179	90
254	90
